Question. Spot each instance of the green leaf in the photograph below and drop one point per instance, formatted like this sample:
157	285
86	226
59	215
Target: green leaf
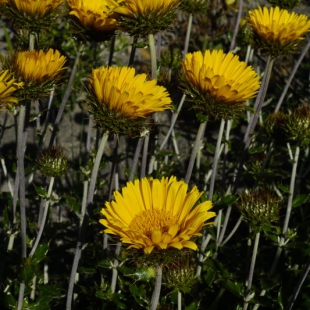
40	191
193	306
40	253
300	200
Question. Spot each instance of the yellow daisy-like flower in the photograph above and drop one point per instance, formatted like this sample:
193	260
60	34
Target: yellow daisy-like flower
32	14
94	16
38	66
121	98
7	87
39	71
152	213
277	31
219	82
143	17
35	8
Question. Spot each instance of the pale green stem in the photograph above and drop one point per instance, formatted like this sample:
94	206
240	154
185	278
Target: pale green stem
216	158
44	217
282	240
289	81
21	180
179	300
251	272
201	255
136	159
195	149
291	195
66	95
233	230
301	280
144	155
233	41
188	34
259	102
157	288
173	121
153	56
91	191
115	265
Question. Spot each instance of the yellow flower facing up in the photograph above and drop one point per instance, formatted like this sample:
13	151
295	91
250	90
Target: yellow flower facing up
7	87
277	31
152	213
143	17
32	14
94	17
218	83
121	98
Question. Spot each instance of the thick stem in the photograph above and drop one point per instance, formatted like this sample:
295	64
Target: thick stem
251	272
44	217
114	270
179	300
196	146
157	288
83	228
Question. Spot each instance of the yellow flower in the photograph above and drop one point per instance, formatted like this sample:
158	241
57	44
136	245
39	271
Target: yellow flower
38	66
121	97
277	30
94	15
218	81
35	8
143	17
7	87
153	213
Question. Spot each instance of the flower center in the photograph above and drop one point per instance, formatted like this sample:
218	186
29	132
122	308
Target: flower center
152	219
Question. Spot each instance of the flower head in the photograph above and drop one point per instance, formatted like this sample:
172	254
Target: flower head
194	6
277	32
259	208
123	100
7	87
38	70
32	14
218	83
52	162
91	18
143	17
152	213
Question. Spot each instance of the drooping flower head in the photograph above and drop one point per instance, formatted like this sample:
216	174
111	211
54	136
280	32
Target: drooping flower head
143	17
92	20
33	14
7	86
156	214
39	71
218	83
121	100
277	32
